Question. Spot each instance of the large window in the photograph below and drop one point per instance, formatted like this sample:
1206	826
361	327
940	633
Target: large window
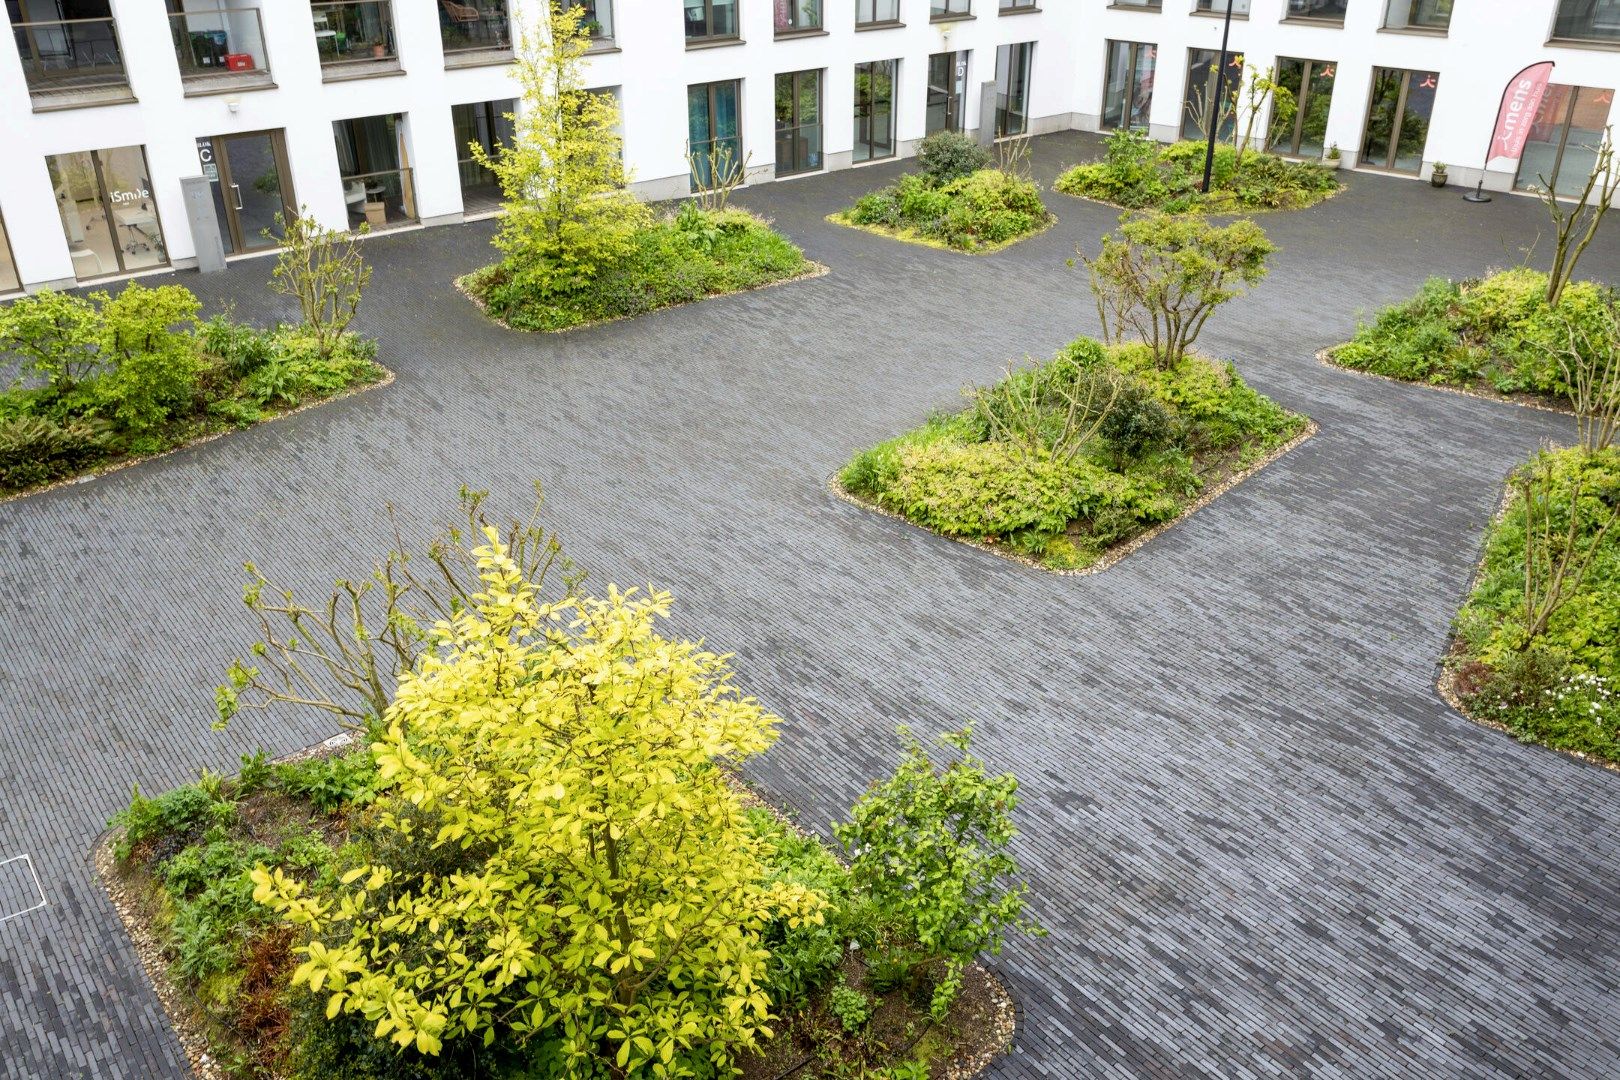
108	213
949	9
711	19
1418	15
1019	5
1311	83
1128	92
947	84
1012	88
219	45
1588	20
1198	104
474	26
354	38
1218	7
793	16
874	109
1398	118
1564	139
712	130
868	12
798	122
1325	10
376	181
597	18
483	124
69	50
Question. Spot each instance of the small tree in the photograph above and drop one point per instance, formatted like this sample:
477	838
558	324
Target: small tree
1575	228
1557	556
324	271
147	337
1589	357
1262	87
1165	275
929	846
54	335
567	211
344	655
715	174
585	874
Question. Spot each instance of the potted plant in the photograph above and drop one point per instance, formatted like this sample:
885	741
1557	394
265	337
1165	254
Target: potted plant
378	51
1438	176
1333	159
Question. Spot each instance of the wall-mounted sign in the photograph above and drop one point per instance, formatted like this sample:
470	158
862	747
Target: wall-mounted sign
205	154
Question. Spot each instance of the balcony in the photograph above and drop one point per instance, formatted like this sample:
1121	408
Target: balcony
475	32
355	40
72	63
220	51
380	200
597	21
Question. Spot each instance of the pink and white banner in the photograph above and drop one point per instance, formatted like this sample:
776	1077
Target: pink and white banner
1520	101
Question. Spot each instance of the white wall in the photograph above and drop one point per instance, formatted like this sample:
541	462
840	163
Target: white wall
1488	42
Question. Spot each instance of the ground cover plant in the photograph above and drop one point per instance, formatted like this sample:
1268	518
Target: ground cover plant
1497	335
576	246
1137	173
110	377
537	862
957	200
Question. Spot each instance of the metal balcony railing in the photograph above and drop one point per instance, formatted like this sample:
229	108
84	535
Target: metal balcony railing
383	200
70	54
209	44
474	25
358	32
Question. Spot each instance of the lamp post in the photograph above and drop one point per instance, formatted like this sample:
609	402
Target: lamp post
1220	92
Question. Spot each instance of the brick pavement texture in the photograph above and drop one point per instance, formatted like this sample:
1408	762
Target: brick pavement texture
1263	844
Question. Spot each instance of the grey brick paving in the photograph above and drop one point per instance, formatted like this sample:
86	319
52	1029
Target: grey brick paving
1263	845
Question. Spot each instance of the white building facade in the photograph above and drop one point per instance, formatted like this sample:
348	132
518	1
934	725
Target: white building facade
363	110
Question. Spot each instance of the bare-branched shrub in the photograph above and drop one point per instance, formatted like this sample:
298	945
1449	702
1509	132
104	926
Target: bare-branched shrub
1556	560
1589	357
324	271
1051	410
716	173
1576	225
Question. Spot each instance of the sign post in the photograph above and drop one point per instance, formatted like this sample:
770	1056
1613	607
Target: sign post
1520	101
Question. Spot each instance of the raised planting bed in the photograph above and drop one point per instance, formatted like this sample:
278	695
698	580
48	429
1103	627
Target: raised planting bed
1139	174
979	213
1072	464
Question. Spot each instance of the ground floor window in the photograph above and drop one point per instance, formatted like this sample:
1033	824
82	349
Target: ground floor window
1564	140
1199	103
108	213
483	124
1398	118
798	122
712	129
1311	83
947	85
10	280
1013	64
874	109
1128	92
375	171
251	183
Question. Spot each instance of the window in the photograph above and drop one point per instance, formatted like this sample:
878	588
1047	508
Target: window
1398	118
1019	5
377	190
1218	7
1322	10
10	280
70	51
711	130
108	214
474	26
354	38
947	83
874	109
1418	15
1311	83
950	9
1198	103
485	124
798	122
219	45
793	16
868	12
710	19
597	20
1012	89
1128	92
1564	139
1587	20
1145	5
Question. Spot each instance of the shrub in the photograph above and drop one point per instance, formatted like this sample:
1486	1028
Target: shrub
238	348
54	335
986	490
324	271
146	335
851	1007
949	155
36	450
803	957
172	813
1137	422
330	783
1138	174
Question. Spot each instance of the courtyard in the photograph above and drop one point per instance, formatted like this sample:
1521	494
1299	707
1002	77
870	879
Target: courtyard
1261	841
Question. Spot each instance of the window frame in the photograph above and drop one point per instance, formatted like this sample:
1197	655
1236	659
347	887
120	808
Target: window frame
708	22
1025	49
1129	93
869	103
798	124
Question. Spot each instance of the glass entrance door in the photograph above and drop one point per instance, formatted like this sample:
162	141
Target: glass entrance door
250	184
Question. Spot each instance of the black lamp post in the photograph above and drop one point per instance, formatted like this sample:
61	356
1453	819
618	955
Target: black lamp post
1220	93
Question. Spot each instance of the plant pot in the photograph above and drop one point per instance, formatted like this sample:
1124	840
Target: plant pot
377	52
1438	179
1332	163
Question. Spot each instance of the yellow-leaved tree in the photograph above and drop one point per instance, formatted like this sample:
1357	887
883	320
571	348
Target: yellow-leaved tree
567	211
557	853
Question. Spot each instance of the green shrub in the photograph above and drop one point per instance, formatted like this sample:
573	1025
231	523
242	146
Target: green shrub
1138	174
173	813
330	783
851	1007
147	335
36	450
191	870
803	957
949	155
969	212
986	490
238	348
53	334
1137	422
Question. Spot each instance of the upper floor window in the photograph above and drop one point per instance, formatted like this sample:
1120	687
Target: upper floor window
1239	7
796	15
876	11
1418	15
1587	20
1019	5
1145	5
219	46
706	19
468	26
1323	10
597	19
355	38
70	53
950	9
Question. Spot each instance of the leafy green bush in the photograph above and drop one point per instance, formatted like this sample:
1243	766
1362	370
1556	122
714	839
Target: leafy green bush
330	783
851	1007
803	957
37	450
173	813
1138	174
968	212
950	155
237	347
1495	333
148	337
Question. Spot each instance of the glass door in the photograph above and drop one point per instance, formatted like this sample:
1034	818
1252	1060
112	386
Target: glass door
250	184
